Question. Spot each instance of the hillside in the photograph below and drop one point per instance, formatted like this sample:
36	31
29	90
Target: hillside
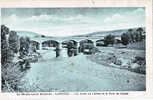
104	33
27	33
92	35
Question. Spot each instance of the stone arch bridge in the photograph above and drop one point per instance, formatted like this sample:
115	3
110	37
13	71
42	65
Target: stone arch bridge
40	41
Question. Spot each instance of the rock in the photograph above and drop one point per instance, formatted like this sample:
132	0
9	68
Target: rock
125	64
118	62
134	65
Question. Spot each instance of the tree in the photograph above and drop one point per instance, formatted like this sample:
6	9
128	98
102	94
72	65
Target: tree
24	46
109	39
14	41
130	34
4	44
27	39
10	70
139	35
125	38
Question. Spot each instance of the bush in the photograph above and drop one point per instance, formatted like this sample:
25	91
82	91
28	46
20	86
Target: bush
4	44
139	34
118	62
14	41
125	39
11	75
11	70
24	46
139	60
141	70
109	39
139	65
132	36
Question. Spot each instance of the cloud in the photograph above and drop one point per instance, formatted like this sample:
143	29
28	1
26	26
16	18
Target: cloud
114	18
11	19
43	18
39	18
139	11
76	23
73	18
136	16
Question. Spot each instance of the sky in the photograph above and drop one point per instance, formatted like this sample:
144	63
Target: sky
72	21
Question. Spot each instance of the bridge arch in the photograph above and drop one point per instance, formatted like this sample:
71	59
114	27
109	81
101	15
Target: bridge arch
35	44
86	41
50	43
66	42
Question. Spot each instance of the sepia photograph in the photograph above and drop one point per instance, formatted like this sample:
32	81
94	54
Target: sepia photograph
75	49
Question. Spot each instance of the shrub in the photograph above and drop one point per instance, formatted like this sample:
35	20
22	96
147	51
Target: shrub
4	44
141	70
118	62
11	70
109	39
24	46
14	41
11	76
125	39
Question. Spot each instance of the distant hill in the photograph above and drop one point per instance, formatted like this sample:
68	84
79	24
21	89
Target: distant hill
27	33
98	34
104	33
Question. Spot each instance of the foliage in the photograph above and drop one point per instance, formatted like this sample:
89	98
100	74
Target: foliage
13	41
132	36
139	34
4	44
109	39
12	71
24	46
125	38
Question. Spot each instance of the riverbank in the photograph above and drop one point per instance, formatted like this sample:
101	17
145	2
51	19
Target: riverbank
128	59
78	74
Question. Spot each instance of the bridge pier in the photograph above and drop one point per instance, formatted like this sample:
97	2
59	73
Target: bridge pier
40	45
94	42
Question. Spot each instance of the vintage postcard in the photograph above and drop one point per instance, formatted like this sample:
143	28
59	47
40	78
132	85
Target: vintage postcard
99	48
